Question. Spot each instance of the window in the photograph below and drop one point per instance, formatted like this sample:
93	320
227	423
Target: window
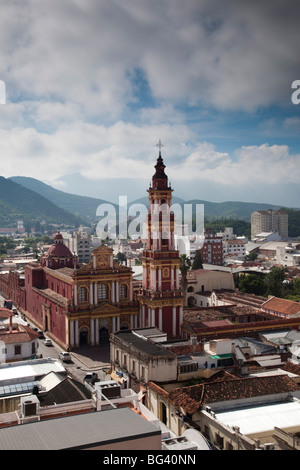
123	291
82	294
102	292
17	350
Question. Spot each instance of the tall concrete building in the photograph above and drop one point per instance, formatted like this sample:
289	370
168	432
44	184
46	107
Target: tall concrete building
269	221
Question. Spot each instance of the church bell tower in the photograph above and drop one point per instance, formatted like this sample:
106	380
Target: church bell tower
161	300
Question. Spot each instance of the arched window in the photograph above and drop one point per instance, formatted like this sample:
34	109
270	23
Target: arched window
102	292
123	291
190	289
82	294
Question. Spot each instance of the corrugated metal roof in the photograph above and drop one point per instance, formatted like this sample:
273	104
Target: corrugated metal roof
50	381
85	430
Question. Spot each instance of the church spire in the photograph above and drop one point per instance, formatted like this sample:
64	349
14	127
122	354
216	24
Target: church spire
159	179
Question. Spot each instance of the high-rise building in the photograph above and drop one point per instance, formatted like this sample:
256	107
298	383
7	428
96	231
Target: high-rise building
269	221
161	300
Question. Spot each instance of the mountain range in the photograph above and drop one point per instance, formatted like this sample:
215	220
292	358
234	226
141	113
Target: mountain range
30	199
20	203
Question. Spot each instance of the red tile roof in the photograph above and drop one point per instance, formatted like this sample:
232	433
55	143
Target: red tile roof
282	306
19	334
192	398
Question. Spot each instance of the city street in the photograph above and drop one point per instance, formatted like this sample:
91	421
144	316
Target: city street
85	359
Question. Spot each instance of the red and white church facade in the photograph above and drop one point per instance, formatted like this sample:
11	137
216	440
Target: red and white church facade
82	304
161	300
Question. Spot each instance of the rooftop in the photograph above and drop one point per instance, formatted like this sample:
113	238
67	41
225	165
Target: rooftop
287	307
258	419
24	371
192	398
78	432
147	346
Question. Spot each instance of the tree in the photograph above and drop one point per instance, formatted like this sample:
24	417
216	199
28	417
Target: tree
252	284
185	265
197	264
252	256
121	257
274	280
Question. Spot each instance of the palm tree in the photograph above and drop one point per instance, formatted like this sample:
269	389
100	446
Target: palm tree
185	265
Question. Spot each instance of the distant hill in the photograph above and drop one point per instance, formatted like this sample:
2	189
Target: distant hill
85	207
20	203
231	209
81	206
221	210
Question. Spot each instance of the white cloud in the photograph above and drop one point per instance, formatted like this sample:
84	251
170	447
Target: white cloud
84	52
70	70
259	165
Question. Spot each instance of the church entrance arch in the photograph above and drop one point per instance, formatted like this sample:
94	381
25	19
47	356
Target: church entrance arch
83	336
104	331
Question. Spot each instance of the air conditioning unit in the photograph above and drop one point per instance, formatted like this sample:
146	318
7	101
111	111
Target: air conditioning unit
267	446
178	443
30	406
110	389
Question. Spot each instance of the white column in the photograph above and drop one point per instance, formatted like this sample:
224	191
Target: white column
76	333
155	241
172	277
130	291
111	261
97	331
95	294
142	325
180	319
71	326
177	278
92	335
75	295
117	291
91	293
153	317
159	279
113	292
154	279
131	321
113	324
160	325
94	262
118	323
174	321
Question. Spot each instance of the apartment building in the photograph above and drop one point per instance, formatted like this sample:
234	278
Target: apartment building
269	221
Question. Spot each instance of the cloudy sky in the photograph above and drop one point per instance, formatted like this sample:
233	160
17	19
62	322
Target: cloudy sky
92	85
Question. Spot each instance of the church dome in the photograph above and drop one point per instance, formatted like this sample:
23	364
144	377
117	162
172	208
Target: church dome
58	254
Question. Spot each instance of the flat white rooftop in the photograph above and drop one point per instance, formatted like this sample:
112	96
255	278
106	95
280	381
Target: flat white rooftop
18	372
259	419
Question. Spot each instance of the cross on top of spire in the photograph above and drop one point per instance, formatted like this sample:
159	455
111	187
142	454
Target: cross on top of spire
159	145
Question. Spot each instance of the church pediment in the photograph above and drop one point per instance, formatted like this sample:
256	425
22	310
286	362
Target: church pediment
107	308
